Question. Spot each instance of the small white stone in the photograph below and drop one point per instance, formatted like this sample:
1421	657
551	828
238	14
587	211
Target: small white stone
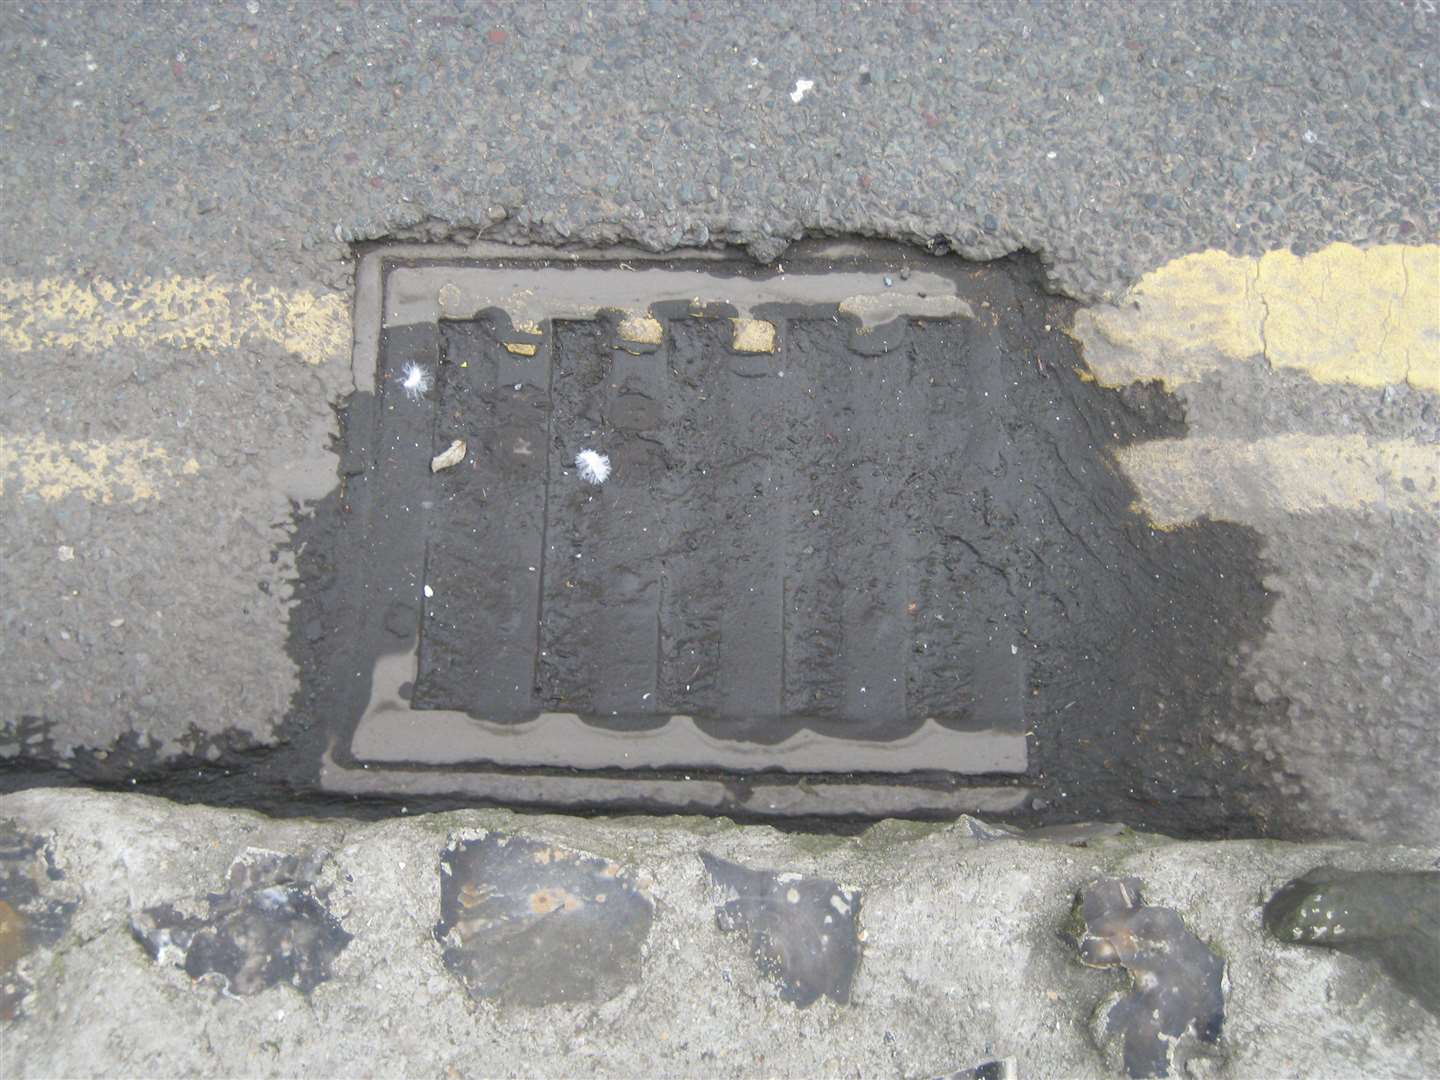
451	455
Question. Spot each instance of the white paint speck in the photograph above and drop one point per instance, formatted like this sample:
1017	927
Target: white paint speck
802	87
593	466
429	592
417	381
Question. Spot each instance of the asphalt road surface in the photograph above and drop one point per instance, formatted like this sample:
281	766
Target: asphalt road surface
184	191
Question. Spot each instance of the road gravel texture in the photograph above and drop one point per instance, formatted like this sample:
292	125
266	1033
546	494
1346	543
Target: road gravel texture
257	138
254	143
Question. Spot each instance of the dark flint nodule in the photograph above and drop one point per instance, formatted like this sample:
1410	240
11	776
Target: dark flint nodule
803	931
994	1069
31	914
269	927
1177	994
528	923
1390	918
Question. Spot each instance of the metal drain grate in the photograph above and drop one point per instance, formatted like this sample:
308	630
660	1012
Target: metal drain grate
797	566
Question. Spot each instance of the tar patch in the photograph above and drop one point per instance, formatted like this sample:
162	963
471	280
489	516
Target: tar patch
691	531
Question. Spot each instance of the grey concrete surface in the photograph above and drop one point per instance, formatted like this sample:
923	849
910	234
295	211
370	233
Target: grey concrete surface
257	141
963	953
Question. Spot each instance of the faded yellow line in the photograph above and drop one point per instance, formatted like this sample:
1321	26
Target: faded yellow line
124	470
1367	317
187	312
641	328
1184	479
753	336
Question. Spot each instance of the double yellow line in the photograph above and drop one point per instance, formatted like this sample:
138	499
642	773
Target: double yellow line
184	312
196	313
1362	316
1341	316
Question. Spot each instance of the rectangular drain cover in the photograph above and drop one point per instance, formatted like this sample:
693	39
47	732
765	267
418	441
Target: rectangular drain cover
762	584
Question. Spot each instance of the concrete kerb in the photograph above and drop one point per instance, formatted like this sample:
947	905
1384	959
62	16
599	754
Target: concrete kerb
962	953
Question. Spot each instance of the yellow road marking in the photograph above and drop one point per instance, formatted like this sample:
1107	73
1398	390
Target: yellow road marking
1367	317
124	469
1180	480
186	312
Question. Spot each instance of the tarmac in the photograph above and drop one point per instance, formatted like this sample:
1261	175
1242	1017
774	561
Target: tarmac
1241	200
